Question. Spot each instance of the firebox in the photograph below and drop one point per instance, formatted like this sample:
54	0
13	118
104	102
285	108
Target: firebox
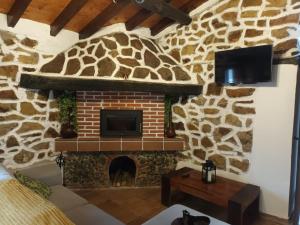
121	123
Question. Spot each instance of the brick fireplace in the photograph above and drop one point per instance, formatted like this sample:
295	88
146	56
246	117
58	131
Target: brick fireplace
92	160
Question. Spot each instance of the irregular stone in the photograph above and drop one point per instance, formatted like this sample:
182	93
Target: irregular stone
227	5
51	133
28	109
43	95
223	103
32	58
234	36
179	111
175	53
233	120
246	140
206	142
72	52
6	107
121	38
137	44
167	59
249	14
214	120
189	49
192	126
165	74
73	66
197	68
206	128
109	44
12	142
28	69
6	128
270	13
242	165
8	37
53	116
141	73
292	18
219	161
266	41
284	46
29	42
225	148
211	111
8	58
100	52
179	126
200	154
180	74
150	45
207	15
29	126
249	122
88	60
55	65
138	55
127	51
123	72
262	23
106	67
41	155
88	71
217	24
82	44
280	33
242	110
9	71
231	140
276	3
214	89
253	33
220	132
23	157
151	60
41	146
248	3
11	118
130	62
200	100
239	92
8	95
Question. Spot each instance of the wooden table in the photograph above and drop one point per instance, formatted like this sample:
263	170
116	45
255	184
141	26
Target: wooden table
239	199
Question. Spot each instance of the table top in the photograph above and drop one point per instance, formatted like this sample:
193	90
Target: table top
167	216
190	181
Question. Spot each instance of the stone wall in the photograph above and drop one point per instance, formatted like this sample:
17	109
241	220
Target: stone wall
28	118
218	124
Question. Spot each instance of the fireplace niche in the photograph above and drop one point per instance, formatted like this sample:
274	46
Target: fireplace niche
122	172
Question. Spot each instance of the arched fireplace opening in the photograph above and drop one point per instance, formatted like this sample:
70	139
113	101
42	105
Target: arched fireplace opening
122	171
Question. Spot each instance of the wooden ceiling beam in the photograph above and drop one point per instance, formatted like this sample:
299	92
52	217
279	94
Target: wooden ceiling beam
16	11
164	9
163	23
66	15
108	13
138	18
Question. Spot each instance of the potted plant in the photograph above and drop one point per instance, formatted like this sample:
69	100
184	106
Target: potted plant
169	126
67	114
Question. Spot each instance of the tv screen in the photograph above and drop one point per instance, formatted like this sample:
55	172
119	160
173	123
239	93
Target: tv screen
244	65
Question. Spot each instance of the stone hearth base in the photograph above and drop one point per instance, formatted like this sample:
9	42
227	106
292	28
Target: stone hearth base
91	169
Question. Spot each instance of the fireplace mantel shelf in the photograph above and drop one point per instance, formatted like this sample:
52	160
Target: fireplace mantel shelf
78	84
118	144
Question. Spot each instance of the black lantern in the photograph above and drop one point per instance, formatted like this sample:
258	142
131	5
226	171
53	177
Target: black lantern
209	173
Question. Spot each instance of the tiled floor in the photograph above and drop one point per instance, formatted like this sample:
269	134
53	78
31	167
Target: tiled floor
136	205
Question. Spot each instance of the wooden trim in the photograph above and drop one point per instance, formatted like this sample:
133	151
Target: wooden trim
66	15
138	18
16	11
62	83
99	21
165	10
164	22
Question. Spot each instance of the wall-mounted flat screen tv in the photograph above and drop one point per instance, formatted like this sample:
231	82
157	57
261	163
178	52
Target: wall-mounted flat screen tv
244	65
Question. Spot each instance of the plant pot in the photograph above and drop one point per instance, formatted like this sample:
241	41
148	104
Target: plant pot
67	131
170	131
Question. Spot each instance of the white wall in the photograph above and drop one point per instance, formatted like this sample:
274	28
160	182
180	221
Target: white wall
270	159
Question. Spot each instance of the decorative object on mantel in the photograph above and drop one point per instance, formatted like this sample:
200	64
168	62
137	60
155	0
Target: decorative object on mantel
188	219
60	161
209	172
67	114
169	126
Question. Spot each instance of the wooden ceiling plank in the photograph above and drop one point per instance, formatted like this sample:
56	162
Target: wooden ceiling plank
16	11
164	9
109	12
138	18
66	15
163	23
